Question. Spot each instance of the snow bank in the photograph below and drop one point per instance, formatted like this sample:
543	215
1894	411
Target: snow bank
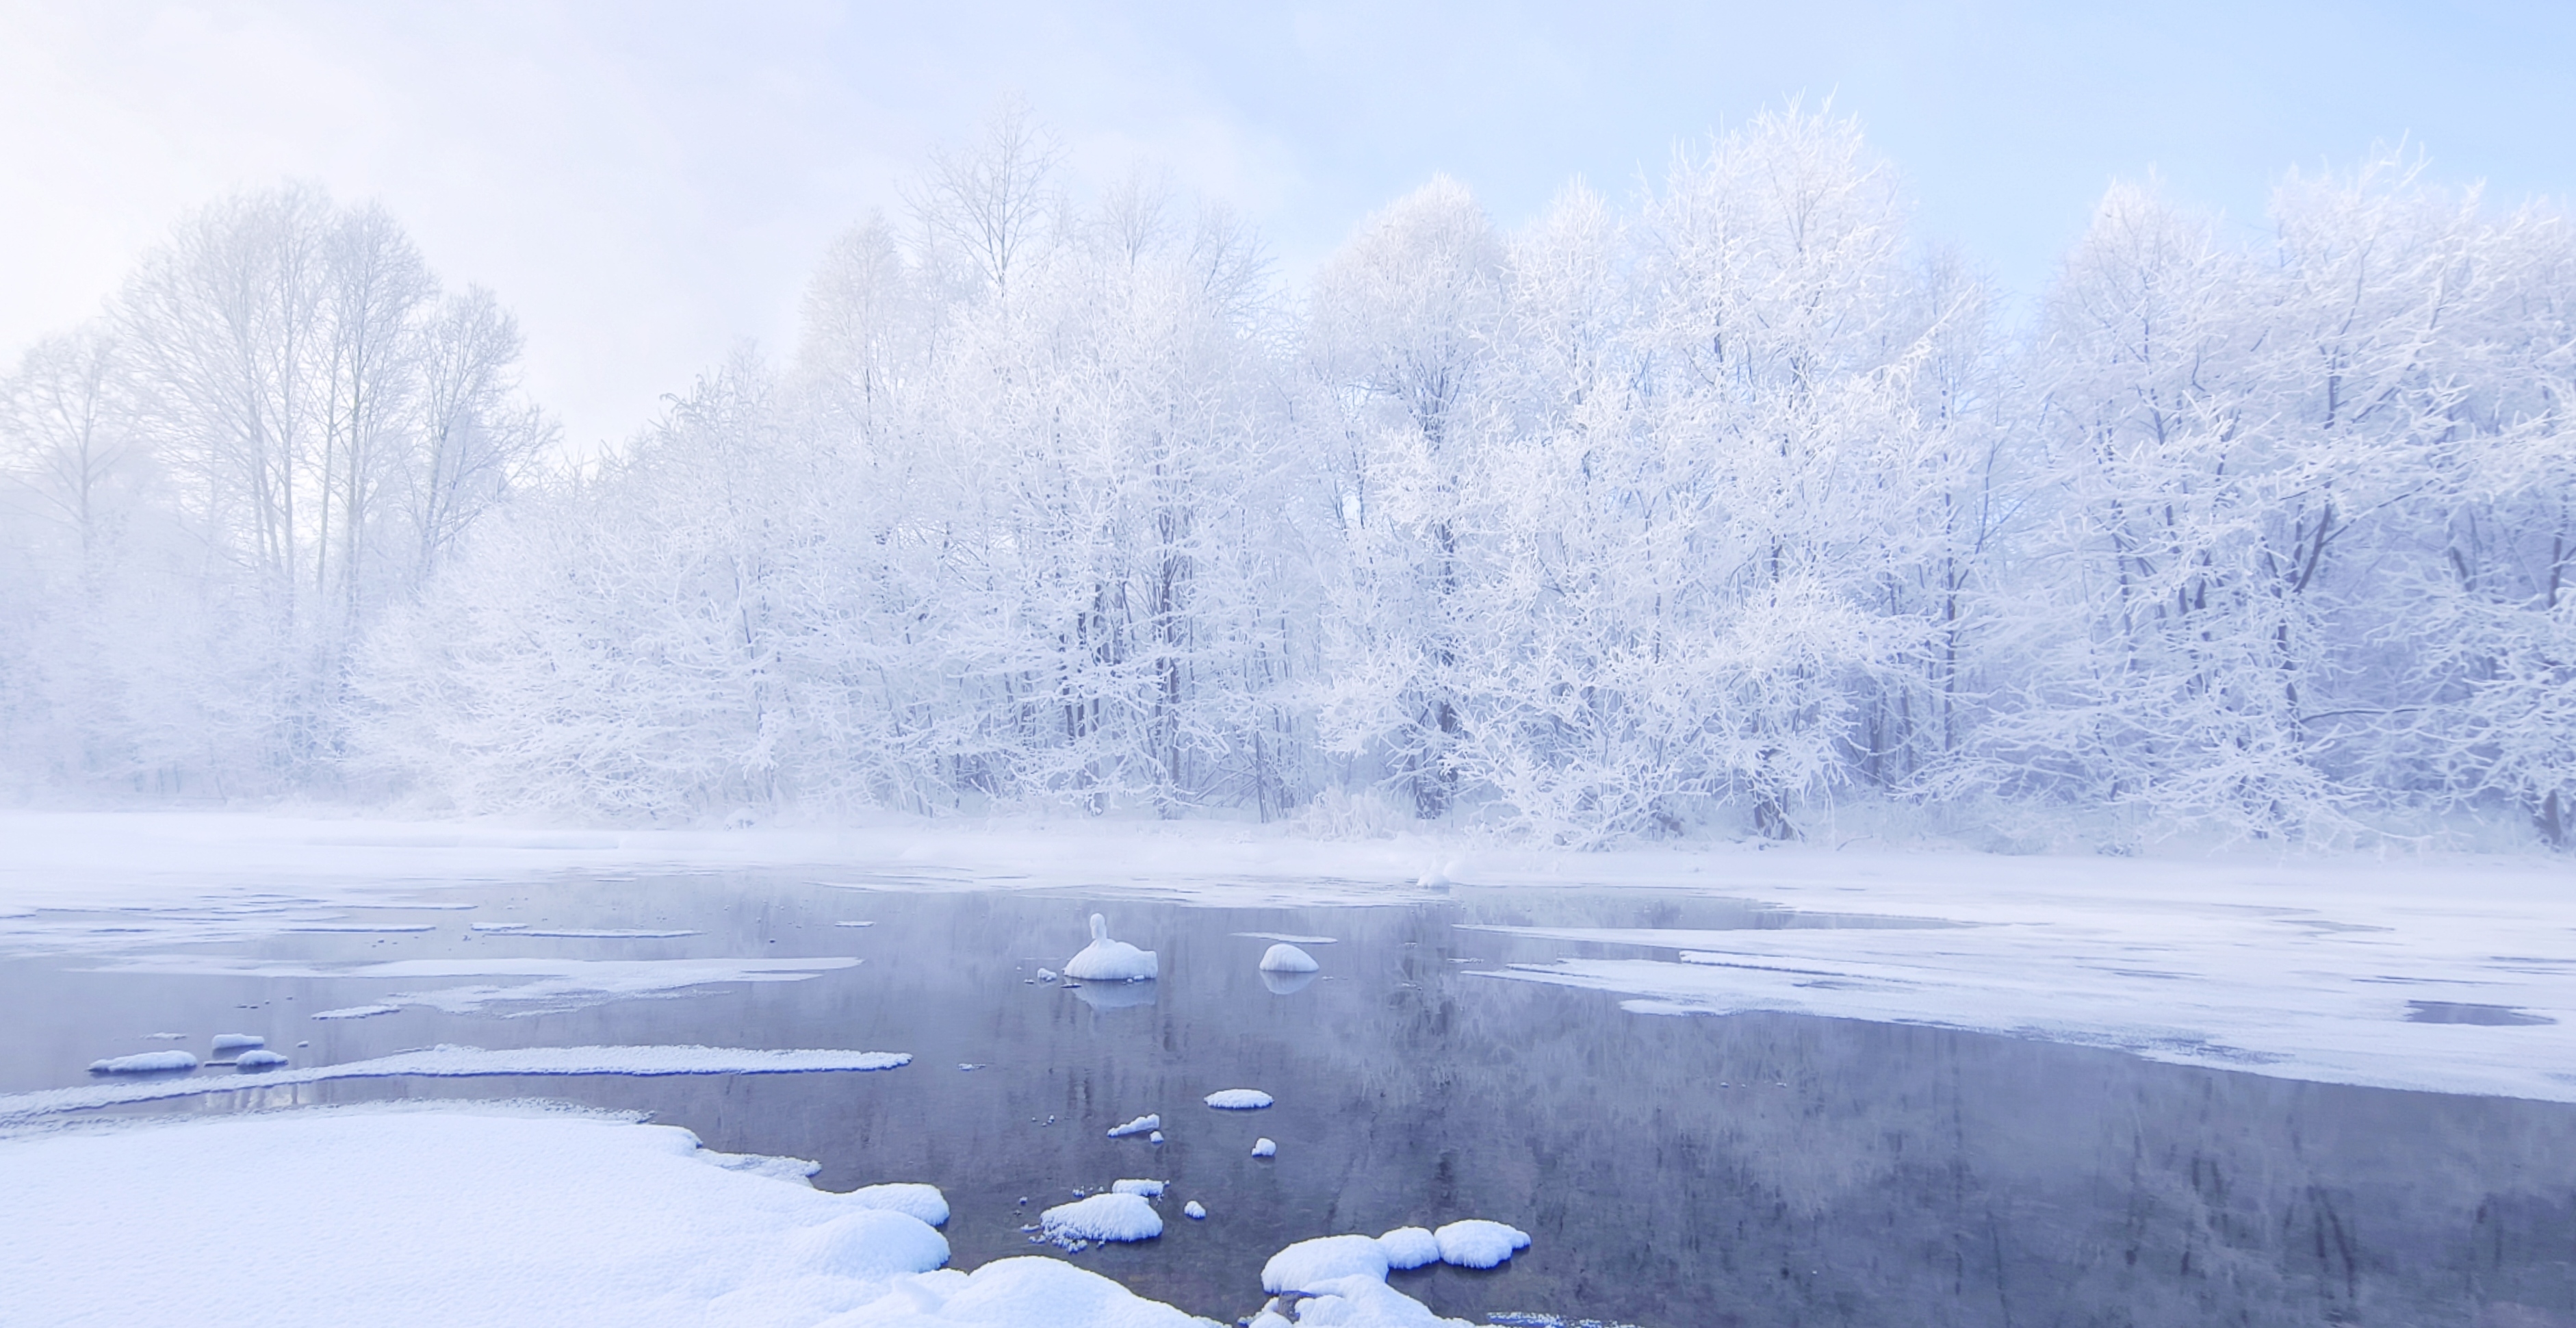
144	1062
1238	1099
1102	1217
923	1203
458	1062
1410	1247
238	1041
1306	1265
1105	960
1140	1125
1151	1189
1264	1148
325	1217
1286	958
1476	1243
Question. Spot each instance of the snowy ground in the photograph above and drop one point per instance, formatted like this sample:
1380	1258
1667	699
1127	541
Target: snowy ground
2302	967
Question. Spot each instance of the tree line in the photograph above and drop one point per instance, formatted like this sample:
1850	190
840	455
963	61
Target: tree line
1713	512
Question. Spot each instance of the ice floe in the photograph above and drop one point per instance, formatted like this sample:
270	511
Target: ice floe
1151	1189
1286	958
144	1062
1477	1243
1410	1247
1288	937
1309	1263
921	1202
1105	960
452	1062
1101	1217
1140	1125
553	985
238	1041
1238	1099
356	1012
1264	1148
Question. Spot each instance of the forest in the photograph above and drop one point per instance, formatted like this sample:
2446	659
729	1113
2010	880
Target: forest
1731	509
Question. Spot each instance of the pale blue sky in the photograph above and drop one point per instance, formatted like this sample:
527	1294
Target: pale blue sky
647	184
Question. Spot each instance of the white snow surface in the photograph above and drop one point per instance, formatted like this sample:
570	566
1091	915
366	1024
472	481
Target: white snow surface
448	1062
1477	1243
2291	964
923	1203
1238	1099
1140	1125
1014	1293
1151	1189
1114	1216
1308	1264
411	1217
1366	1302
1106	960
1410	1247
1286	958
144	1062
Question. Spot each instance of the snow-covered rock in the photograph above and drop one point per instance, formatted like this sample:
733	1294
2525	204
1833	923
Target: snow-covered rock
1140	1125
1364	1302
1286	958
256	1059
1238	1099
1194	1211
238	1041
1151	1189
1410	1247
1105	960
1476	1243
1264	1148
1102	1217
922	1203
144	1062
1306	1265
1027	1292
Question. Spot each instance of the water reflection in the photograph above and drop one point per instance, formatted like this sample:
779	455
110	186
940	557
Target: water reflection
1674	1172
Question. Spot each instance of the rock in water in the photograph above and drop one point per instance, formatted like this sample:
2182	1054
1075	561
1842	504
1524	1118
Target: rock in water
1286	958
1105	960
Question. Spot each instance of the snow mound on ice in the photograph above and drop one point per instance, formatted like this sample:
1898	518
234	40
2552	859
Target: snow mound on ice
1140	1125
1102	1217
1027	1292
256	1059
1410	1247
1364	1302
1105	960
238	1041
1151	1189
922	1203
1238	1099
1476	1243
1307	1264
144	1062
1286	958
1264	1148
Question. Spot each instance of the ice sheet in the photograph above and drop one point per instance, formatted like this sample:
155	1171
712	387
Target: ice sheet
557	984
458	1062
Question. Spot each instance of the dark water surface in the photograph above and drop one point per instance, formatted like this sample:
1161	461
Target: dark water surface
1673	1172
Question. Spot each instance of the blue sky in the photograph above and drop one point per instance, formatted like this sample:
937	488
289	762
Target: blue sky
647	184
